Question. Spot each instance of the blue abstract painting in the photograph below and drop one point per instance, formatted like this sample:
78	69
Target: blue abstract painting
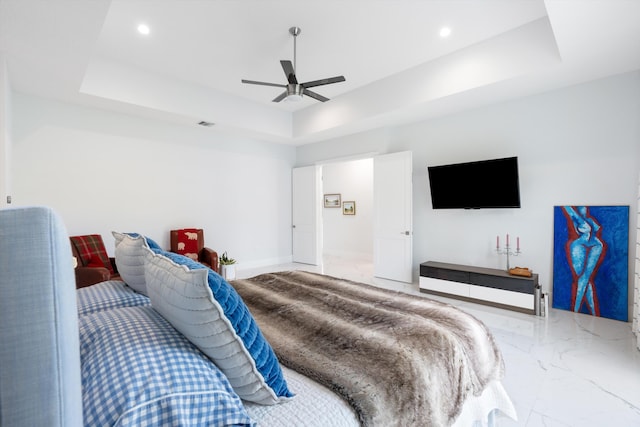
590	260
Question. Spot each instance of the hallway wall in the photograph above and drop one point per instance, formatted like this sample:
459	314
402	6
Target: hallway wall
349	235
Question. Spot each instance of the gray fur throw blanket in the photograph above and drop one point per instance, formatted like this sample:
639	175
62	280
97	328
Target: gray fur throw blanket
397	359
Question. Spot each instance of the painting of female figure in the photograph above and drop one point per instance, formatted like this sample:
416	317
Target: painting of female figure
590	260
585	251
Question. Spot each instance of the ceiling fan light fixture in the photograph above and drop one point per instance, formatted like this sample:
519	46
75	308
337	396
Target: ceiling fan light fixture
294	93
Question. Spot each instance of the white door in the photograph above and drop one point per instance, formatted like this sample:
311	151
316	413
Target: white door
306	219
393	216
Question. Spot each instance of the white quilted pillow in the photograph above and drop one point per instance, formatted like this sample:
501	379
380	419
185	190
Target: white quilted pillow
184	295
130	256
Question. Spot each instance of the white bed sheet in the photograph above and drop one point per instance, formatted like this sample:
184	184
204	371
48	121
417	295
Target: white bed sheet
313	406
480	411
317	406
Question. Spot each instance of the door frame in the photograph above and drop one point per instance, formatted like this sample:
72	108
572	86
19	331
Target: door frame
318	200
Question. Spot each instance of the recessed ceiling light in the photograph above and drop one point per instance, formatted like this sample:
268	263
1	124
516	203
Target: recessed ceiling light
144	29
445	32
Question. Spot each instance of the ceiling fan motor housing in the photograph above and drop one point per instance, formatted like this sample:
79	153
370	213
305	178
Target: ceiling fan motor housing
295	90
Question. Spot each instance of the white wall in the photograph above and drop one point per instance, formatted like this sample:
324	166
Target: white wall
104	171
5	132
578	145
349	235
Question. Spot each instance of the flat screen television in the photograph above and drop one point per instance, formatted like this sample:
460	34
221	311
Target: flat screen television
475	185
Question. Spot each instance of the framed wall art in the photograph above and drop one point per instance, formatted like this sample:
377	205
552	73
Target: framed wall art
590	260
349	208
332	200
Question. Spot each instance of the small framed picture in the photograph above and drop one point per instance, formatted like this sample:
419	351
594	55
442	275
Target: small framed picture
332	200
349	208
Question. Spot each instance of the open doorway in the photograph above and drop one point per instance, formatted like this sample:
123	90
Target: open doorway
348	233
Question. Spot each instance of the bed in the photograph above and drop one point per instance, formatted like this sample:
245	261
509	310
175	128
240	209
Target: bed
175	344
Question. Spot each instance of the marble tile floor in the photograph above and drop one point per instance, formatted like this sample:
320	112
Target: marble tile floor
565	369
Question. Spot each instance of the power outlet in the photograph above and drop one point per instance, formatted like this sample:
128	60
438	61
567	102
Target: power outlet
8	200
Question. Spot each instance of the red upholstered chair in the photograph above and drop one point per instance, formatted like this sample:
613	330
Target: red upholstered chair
94	265
190	242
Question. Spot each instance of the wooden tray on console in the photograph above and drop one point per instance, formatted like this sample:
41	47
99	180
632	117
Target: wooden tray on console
520	271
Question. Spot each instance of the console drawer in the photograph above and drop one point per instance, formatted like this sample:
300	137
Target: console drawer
444	274
507	283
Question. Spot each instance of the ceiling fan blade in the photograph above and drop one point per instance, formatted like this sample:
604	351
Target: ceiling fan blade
280	97
287	66
324	81
253	82
315	95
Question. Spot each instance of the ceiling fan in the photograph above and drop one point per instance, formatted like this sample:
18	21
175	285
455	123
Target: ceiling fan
293	89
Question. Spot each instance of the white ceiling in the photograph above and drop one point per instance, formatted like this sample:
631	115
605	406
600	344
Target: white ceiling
397	67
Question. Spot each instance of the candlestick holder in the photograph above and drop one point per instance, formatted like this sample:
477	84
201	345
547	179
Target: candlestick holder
508	252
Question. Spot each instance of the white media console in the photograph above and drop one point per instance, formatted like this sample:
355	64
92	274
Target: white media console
481	285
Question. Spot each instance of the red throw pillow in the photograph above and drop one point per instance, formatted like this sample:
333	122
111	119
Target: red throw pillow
188	243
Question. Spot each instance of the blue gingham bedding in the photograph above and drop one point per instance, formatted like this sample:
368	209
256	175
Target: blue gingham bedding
108	295
137	370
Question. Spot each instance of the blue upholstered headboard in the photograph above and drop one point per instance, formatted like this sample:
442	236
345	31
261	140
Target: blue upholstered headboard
39	348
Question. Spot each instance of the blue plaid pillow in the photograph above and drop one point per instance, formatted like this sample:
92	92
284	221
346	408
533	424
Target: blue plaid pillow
137	370
107	295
